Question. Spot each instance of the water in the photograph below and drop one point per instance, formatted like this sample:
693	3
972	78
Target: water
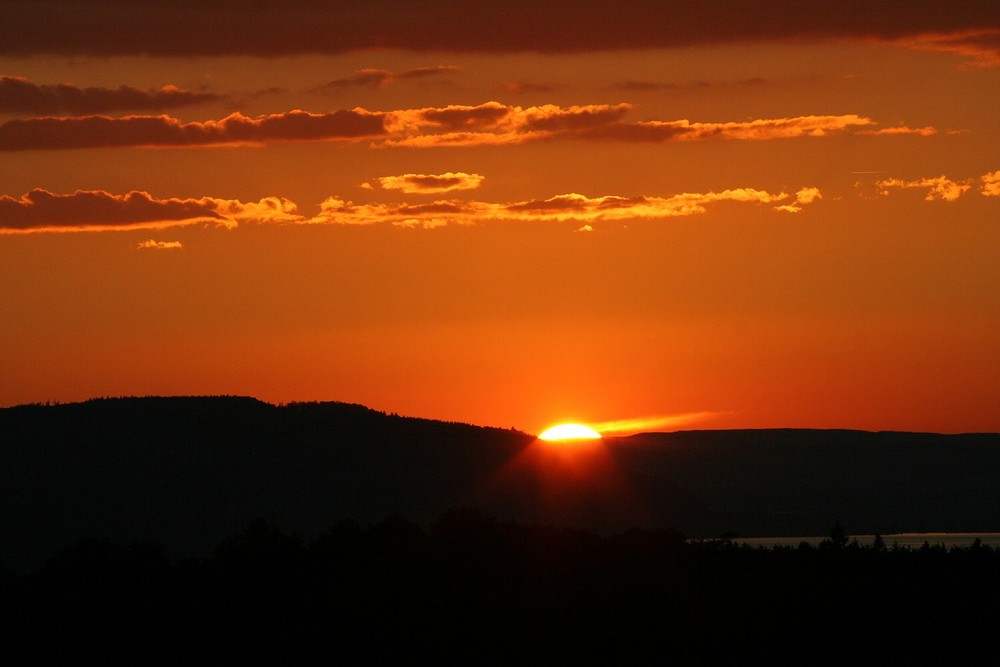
910	540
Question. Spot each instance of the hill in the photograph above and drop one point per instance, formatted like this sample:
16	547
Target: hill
186	471
800	481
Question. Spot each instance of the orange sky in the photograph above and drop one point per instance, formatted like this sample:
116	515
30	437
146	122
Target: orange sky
511	214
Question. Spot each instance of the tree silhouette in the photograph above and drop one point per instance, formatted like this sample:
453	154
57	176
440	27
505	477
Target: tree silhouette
838	537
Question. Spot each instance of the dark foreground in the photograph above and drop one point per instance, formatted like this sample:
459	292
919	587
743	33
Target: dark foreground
186	471
472	590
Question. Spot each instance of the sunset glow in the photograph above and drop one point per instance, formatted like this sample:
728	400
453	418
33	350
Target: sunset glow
569	432
654	216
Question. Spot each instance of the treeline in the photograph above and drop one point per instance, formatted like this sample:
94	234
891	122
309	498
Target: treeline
472	589
186	471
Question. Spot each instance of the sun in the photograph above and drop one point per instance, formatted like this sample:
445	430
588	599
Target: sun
570	432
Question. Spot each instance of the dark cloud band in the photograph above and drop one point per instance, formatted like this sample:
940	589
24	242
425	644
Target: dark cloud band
104	131
254	27
41	210
21	96
491	123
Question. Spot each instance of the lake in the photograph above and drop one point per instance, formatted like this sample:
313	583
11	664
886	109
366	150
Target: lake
911	540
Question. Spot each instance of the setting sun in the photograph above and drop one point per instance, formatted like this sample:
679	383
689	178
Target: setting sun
570	432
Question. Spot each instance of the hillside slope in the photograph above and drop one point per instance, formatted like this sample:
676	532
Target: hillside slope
185	472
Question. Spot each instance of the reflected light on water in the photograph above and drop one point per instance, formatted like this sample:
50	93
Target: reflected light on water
906	540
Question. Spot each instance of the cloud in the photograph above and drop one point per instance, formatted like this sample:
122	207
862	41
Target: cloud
423	72
363	78
572	207
808	195
991	184
20	96
802	197
159	245
493	123
104	131
335	210
919	131
420	223
486	116
980	46
431	183
761	129
488	124
941	188
375	78
555	119
97	210
152	27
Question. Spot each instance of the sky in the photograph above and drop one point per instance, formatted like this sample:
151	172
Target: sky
635	215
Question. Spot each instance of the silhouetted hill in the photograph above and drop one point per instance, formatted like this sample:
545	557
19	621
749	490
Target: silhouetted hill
185	472
799	481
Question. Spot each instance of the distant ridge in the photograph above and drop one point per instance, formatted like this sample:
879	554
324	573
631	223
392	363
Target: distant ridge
229	400
799	481
186	471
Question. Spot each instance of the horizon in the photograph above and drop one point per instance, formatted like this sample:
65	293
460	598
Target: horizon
186	470
638	217
612	434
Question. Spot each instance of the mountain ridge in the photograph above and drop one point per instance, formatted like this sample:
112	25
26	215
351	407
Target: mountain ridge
186	471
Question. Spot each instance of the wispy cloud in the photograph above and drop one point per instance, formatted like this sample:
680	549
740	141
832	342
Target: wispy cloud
493	123
490	123
431	183
159	245
369	77
18	95
104	131
97	210
802	197
980	47
575	208
939	188
761	129
919	131
991	184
